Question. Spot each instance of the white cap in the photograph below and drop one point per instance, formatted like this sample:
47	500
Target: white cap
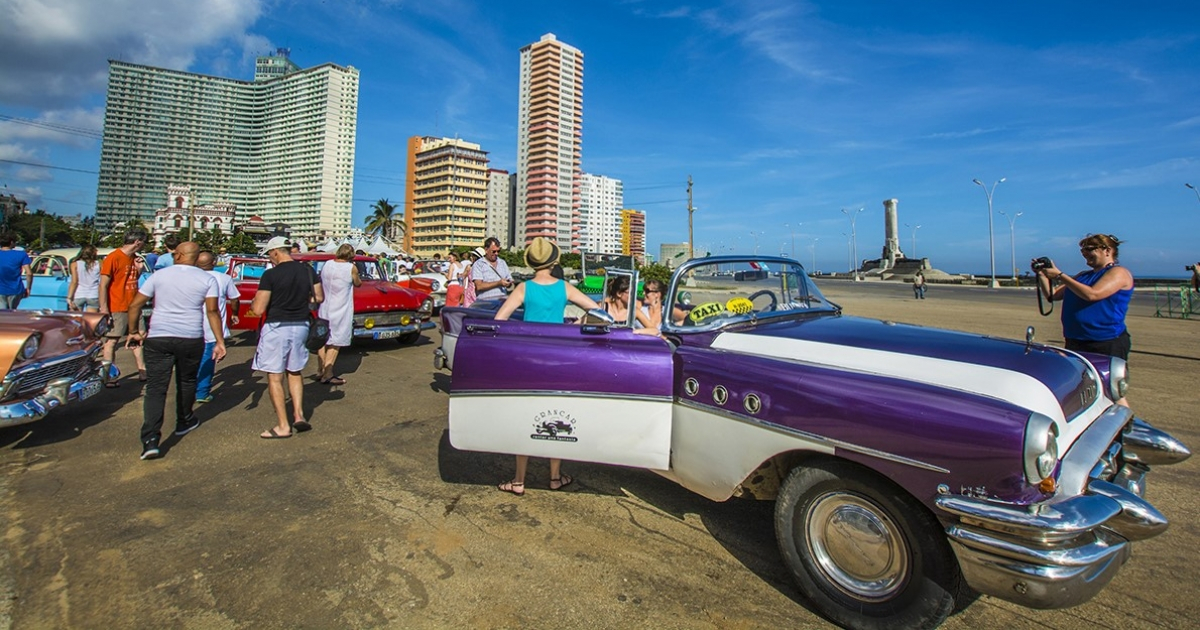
278	242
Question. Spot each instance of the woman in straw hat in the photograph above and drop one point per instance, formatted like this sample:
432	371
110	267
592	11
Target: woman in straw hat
544	297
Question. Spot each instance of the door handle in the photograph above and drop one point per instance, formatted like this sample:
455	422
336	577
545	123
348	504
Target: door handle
482	328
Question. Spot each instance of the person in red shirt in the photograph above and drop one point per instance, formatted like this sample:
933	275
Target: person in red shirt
118	286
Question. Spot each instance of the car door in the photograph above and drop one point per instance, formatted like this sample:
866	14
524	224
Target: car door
585	393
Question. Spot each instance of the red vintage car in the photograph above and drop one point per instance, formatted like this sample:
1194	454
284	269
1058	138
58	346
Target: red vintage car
382	309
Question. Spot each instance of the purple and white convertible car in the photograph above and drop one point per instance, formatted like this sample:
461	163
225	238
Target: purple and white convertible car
908	465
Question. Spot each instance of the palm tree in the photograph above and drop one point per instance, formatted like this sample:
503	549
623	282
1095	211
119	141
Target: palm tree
385	221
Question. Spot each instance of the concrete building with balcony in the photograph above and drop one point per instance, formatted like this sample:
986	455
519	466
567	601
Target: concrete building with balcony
633	234
280	147
499	206
600	202
549	143
181	212
446	195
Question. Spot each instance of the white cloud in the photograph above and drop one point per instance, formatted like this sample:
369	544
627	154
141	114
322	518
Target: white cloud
56	50
75	127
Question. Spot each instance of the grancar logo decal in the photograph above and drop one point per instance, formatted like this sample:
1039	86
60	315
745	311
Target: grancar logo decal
555	425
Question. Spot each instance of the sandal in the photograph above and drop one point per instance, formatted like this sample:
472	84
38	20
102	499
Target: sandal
513	487
563	481
333	380
272	434
112	384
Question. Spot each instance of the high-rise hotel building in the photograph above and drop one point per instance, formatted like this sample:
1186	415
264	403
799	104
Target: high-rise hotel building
445	196
601	200
280	147
549	143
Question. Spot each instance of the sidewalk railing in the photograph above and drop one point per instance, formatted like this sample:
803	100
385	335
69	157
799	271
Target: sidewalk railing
1178	301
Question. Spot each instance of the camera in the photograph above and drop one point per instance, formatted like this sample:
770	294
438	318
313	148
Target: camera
1041	263
1191	268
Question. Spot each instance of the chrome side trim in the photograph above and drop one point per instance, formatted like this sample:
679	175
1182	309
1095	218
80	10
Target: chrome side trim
1041	523
854	448
557	393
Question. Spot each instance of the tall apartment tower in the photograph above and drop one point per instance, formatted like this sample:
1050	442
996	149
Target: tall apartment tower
280	147
499	206
600	202
633	234
446	195
549	143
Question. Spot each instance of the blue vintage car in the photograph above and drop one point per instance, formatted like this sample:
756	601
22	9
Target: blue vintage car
908	465
51	279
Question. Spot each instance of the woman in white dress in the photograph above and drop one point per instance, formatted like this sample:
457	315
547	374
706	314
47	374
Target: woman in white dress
338	279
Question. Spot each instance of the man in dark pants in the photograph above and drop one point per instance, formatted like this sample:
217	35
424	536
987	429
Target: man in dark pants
184	295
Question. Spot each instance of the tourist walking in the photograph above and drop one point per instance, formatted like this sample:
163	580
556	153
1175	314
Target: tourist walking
184	296
227	295
1095	301
118	286
83	293
286	292
16	275
338	279
490	274
455	272
544	298
919	286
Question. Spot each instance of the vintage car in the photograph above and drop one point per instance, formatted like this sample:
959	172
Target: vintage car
382	309
49	359
906	463
594	268
51	278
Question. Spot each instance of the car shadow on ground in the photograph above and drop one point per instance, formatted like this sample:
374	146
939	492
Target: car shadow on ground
71	420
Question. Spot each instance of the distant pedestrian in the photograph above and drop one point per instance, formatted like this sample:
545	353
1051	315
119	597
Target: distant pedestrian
184	296
455	278
469	295
338	279
285	294
118	285
227	297
167	259
83	292
919	286
1196	277
16	275
490	274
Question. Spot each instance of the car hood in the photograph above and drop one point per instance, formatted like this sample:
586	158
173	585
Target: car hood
376	295
61	332
998	368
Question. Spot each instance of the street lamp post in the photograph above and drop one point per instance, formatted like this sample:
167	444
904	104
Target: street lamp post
1012	238
755	235
813	248
853	239
991	231
914	238
849	252
1194	190
787	226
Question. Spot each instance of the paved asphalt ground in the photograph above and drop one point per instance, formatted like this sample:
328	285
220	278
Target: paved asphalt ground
373	520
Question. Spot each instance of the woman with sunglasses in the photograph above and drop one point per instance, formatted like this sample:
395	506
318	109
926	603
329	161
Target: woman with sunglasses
1094	302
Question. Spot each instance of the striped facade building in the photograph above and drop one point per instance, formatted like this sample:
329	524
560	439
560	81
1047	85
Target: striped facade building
445	196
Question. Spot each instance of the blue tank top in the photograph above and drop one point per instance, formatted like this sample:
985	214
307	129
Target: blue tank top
1094	321
544	303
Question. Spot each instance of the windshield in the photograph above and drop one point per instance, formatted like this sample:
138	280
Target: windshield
367	269
714	292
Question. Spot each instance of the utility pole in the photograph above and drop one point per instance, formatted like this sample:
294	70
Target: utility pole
191	212
691	210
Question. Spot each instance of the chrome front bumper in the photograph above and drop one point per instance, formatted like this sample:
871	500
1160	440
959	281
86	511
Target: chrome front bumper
57	393
1061	553
391	332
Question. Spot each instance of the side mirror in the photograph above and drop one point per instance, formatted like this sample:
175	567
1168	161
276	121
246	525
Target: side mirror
683	297
599	316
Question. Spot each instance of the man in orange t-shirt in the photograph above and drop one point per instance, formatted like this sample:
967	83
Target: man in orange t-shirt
118	285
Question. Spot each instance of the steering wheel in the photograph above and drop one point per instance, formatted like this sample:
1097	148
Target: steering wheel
769	293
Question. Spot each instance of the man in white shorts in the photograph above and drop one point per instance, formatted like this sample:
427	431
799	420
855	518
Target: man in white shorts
184	295
286	293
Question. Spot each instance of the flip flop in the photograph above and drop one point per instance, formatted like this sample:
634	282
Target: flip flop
300	426
563	481
112	384
274	435
511	487
333	380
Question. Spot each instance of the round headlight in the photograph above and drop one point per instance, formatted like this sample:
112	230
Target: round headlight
369	322
30	346
1041	448
427	306
1118	378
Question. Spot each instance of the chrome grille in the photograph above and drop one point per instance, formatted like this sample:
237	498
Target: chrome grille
384	319
35	377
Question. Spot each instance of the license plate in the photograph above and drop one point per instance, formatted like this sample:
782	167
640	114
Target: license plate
387	334
89	390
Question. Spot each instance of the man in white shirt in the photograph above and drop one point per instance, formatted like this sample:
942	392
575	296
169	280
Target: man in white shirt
184	295
490	273
227	293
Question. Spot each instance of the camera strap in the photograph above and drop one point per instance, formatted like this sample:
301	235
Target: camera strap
1043	300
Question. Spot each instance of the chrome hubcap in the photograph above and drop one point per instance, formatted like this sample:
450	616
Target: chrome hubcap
856	546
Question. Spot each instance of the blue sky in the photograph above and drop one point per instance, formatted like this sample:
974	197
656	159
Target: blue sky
782	112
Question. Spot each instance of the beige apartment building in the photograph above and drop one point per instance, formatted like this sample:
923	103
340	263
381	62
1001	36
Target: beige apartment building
445	196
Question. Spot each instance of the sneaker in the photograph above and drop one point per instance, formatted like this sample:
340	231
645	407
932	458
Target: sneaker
204	399
184	428
150	449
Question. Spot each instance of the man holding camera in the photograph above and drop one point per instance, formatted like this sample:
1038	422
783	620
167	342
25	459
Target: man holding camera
1094	302
490	273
